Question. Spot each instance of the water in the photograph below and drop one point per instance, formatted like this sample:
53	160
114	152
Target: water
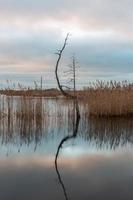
96	163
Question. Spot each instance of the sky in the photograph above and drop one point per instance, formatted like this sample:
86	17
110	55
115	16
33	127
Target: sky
31	31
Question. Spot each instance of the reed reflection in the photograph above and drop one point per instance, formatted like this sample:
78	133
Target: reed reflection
28	121
107	132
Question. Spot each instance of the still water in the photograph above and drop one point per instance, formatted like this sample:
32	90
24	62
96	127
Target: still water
96	163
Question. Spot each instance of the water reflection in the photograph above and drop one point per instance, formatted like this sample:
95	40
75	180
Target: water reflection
107	133
94	177
75	122
95	162
56	122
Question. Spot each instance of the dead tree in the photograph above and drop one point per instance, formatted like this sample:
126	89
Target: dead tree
64	92
76	112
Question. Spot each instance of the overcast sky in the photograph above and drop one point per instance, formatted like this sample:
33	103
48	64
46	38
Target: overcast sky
32	30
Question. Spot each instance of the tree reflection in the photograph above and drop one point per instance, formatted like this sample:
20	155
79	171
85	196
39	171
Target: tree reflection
76	119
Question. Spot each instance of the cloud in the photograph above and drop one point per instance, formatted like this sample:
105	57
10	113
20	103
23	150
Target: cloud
97	13
102	35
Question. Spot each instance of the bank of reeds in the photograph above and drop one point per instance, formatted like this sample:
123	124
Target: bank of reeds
109	99
100	99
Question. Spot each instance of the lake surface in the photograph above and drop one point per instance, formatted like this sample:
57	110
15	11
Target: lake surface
95	164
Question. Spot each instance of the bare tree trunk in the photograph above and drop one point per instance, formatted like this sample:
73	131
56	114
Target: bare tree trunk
76	115
66	94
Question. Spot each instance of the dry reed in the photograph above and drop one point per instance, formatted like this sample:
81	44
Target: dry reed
100	99
109	99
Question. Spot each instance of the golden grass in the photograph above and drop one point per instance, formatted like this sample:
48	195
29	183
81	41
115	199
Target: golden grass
100	99
109	99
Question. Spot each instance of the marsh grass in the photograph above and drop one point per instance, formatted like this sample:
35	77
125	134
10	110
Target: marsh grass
100	99
110	99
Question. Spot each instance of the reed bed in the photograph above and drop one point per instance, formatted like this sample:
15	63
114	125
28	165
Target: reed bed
100	99
109	99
